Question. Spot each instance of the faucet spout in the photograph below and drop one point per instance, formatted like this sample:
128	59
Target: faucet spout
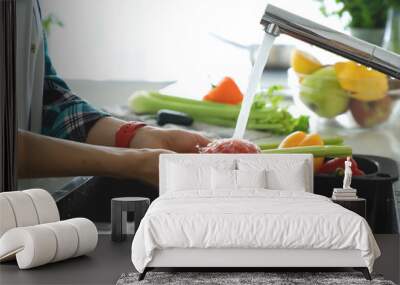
272	29
276	21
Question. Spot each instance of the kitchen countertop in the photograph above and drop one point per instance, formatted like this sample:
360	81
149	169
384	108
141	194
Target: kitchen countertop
382	141
110	260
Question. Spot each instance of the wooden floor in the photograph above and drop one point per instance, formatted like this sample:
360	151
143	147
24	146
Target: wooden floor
110	260
103	266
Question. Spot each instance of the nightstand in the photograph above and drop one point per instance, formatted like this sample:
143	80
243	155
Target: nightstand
119	208
357	205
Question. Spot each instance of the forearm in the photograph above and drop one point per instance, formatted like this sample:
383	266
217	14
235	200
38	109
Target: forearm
103	132
42	156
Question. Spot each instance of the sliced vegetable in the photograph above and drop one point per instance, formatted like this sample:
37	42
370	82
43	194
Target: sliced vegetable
302	139
310	140
293	139
333	140
327	141
225	92
365	84
317	151
266	113
303	62
151	102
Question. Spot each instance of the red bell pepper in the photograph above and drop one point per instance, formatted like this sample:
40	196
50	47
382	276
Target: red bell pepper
331	166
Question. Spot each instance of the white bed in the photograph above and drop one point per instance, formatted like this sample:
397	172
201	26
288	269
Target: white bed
194	223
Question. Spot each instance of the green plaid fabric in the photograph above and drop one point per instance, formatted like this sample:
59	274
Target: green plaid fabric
65	115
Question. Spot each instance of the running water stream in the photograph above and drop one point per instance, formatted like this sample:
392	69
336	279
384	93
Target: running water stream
254	79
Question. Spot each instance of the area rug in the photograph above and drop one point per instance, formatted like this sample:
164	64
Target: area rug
244	278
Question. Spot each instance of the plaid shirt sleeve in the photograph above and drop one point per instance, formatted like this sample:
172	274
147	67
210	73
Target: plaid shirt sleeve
65	115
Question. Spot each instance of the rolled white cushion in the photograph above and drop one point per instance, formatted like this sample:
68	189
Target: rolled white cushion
33	246
23	208
45	205
87	235
7	218
67	240
40	244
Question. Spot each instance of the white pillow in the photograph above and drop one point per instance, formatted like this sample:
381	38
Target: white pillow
282	174
186	175
251	178
223	179
292	180
231	180
183	177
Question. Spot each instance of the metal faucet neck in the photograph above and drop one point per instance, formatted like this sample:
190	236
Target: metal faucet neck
272	29
276	21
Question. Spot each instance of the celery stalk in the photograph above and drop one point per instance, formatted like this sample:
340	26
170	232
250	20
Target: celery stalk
336	140
234	109
252	124
151	103
317	151
191	101
216	121
266	117
147	104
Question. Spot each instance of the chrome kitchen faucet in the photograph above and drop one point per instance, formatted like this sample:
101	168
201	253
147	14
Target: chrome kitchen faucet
278	21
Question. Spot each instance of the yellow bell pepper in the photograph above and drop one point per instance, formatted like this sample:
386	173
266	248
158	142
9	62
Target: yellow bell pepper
364	83
303	139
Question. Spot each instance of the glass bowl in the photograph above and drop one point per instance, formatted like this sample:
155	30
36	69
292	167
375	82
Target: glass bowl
321	95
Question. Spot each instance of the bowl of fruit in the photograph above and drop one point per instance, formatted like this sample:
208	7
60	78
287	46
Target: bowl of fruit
348	92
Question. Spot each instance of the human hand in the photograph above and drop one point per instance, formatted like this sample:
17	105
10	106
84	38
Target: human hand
172	139
141	164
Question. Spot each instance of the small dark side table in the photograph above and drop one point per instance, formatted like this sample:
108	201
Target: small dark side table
357	205
120	207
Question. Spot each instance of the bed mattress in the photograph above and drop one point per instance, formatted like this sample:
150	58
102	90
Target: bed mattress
253	219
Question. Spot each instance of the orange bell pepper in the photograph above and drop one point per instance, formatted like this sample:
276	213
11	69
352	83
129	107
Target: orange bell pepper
302	139
293	139
226	92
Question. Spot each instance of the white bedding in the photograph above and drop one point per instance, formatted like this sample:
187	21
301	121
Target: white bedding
250	219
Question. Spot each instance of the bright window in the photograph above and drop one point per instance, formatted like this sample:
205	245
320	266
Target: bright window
159	40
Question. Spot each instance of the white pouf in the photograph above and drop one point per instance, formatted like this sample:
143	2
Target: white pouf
67	240
87	233
45	205
7	218
37	245
32	246
26	208
32	233
23	208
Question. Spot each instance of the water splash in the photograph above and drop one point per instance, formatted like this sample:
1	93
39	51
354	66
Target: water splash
254	79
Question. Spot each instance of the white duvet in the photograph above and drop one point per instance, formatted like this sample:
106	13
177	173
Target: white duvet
250	219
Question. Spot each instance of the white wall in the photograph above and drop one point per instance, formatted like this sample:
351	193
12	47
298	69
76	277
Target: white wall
160	39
